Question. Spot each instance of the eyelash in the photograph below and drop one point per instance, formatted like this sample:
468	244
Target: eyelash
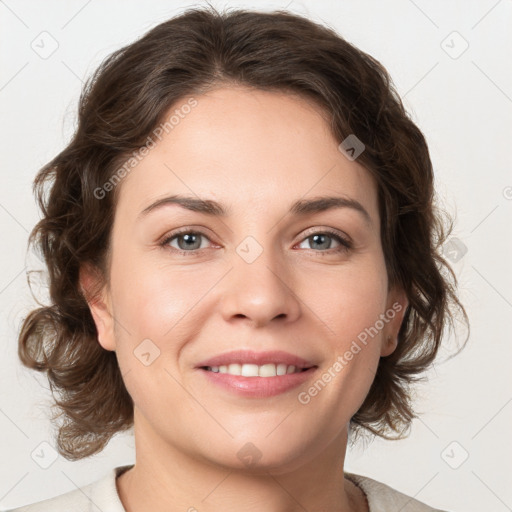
345	245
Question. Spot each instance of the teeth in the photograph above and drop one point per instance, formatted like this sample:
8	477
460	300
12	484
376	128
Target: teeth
281	369
249	370
253	370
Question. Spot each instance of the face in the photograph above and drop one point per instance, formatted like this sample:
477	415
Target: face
187	285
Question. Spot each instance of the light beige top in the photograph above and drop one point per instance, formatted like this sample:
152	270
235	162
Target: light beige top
102	496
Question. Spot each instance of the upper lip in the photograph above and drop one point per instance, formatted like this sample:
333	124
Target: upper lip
259	358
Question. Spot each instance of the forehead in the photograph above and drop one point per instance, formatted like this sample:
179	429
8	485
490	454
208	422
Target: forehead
246	148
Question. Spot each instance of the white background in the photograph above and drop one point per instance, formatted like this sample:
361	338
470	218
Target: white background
464	107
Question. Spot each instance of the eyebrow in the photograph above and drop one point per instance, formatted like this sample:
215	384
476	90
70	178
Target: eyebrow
299	208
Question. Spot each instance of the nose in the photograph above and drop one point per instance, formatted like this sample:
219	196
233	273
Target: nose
260	291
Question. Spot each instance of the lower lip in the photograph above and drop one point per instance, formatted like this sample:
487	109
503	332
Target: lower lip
258	387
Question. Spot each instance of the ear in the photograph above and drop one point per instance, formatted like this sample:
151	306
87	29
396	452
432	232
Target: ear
98	299
396	307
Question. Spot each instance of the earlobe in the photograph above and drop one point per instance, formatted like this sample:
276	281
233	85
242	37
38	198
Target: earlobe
389	346
98	300
397	306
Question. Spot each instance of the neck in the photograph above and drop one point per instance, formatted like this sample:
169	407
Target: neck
167	478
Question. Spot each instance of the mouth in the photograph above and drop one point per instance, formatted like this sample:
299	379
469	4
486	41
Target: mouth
250	374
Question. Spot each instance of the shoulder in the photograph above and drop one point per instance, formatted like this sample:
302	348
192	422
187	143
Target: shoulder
382	497
98	495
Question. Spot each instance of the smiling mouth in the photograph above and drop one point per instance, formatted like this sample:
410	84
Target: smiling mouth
253	370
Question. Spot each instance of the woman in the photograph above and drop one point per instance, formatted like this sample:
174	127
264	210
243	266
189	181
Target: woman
244	267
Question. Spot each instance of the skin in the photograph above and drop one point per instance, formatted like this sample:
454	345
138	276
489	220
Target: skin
255	152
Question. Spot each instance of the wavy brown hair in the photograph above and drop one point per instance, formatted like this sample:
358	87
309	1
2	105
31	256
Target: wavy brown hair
120	106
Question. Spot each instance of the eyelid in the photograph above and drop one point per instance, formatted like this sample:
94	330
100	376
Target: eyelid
198	230
330	231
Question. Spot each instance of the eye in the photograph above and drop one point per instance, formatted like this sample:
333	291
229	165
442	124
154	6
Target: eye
188	241
322	239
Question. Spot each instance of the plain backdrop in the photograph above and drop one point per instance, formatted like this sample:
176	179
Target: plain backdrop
450	61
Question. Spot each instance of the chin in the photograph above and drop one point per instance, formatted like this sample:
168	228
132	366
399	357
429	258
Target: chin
259	456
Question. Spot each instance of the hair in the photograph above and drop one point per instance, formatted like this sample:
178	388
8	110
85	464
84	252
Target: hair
120	106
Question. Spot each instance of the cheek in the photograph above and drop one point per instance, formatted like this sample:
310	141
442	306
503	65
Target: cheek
152	299
349	304
154	316
350	299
